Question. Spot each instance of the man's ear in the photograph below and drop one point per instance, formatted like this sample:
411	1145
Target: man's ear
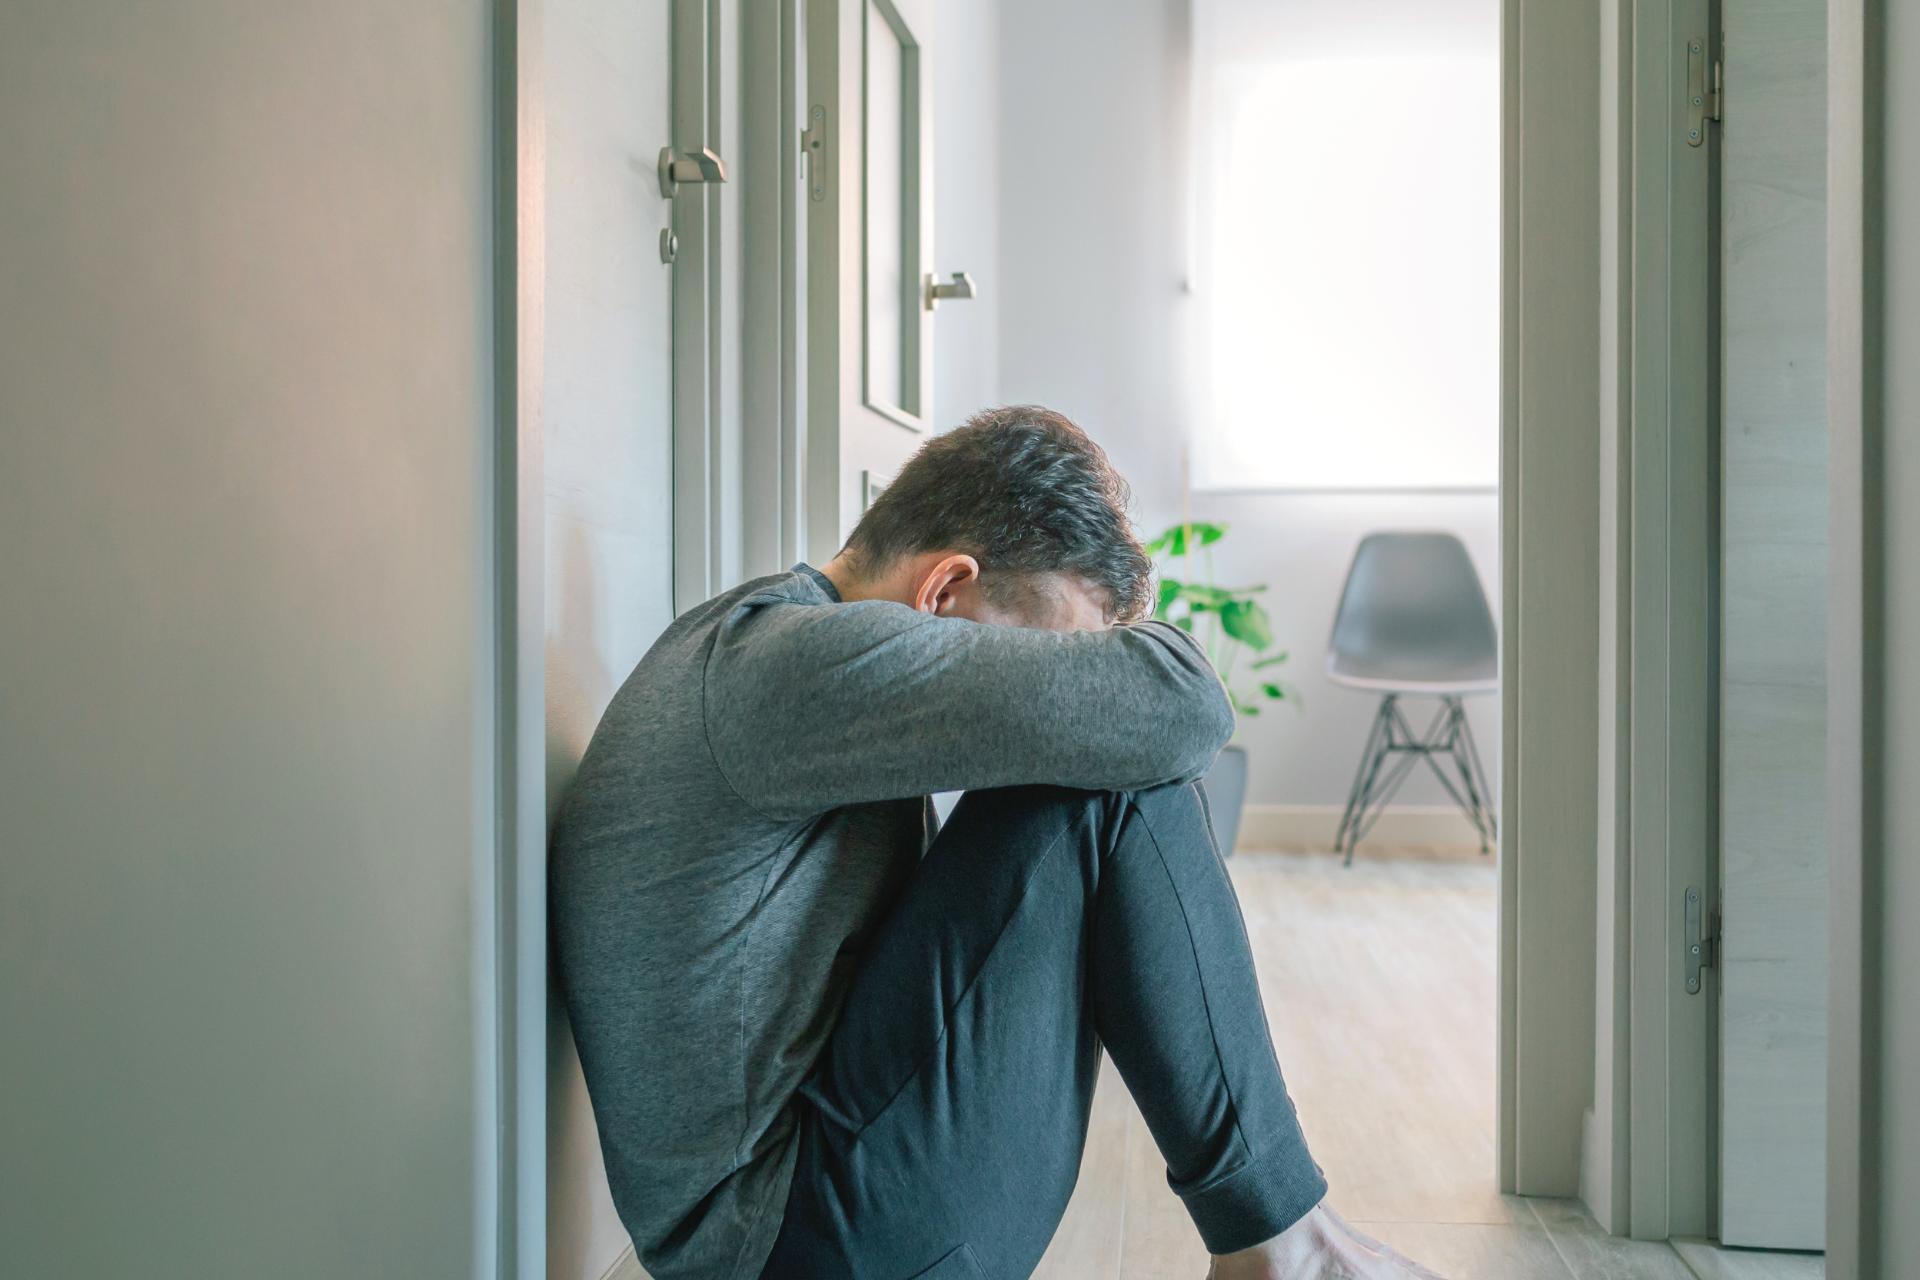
936	593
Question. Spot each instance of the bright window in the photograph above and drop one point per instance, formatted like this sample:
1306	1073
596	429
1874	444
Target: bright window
1348	268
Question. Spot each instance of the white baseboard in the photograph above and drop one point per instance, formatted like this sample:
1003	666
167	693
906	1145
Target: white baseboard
1280	826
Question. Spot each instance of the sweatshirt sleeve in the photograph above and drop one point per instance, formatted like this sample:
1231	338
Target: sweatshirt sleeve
810	707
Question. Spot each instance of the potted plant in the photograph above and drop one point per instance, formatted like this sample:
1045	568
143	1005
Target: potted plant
1232	626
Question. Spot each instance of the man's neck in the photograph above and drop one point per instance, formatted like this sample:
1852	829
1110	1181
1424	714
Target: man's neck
897	584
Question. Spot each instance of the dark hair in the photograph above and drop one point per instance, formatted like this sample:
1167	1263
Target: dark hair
1023	491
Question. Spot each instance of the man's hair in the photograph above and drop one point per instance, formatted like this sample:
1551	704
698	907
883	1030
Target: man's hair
1023	491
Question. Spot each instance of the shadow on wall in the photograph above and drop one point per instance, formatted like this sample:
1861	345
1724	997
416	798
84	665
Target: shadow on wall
584	1234
579	682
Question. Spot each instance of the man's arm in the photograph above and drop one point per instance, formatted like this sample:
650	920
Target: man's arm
809	707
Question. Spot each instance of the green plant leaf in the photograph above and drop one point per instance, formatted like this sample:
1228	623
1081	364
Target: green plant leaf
1169	592
1174	541
1270	661
1275	691
1246	622
1201	596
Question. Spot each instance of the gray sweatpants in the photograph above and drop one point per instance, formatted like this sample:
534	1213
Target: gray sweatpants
942	1130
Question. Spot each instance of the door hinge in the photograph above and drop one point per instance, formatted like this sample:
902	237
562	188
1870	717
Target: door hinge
1701	941
1703	90
813	153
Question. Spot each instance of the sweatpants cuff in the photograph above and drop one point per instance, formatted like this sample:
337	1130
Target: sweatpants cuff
1257	1201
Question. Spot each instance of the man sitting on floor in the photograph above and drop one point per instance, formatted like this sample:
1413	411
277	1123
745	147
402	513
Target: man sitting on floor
823	1041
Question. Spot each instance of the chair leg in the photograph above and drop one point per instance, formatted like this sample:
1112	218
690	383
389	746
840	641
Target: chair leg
1449	734
1379	744
1466	755
1471	793
1410	747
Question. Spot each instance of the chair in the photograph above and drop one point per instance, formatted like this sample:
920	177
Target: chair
1413	620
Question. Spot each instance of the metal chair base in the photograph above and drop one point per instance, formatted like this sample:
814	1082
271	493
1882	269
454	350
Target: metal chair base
1393	749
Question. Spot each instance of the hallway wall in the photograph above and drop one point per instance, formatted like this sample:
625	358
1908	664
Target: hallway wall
245	701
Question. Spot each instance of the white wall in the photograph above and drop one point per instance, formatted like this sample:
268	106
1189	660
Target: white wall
245	400
607	405
1094	316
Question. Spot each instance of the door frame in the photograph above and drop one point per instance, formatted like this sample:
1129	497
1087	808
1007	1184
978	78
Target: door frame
510	880
1650	1162
1653	1111
700	231
1858	731
1607	519
774	221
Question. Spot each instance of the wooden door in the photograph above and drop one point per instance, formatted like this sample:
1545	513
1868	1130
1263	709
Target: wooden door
869	151
1773	982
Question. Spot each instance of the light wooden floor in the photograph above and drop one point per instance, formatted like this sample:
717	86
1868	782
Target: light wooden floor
1379	985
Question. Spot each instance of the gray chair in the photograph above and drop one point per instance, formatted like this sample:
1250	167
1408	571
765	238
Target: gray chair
1413	620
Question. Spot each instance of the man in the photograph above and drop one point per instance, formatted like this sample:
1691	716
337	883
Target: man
823	1041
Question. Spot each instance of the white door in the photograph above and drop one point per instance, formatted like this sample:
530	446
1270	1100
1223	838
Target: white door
870	299
1773	980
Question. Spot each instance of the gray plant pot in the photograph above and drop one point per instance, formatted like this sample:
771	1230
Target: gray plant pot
1226	784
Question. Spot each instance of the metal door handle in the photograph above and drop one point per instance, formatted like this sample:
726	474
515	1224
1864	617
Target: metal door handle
700	166
961	288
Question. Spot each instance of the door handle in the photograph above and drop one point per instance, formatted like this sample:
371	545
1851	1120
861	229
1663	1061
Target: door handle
700	166
961	289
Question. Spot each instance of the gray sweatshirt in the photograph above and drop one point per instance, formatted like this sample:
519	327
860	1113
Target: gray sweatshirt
750	804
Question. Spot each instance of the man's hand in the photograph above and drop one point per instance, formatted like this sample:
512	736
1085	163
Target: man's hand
1321	1246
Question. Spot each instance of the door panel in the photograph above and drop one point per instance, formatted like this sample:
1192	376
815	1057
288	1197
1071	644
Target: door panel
891	239
870	249
1773	690
886	318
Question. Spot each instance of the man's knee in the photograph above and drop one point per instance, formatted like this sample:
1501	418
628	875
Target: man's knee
1178	818
1022	825
1031	817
